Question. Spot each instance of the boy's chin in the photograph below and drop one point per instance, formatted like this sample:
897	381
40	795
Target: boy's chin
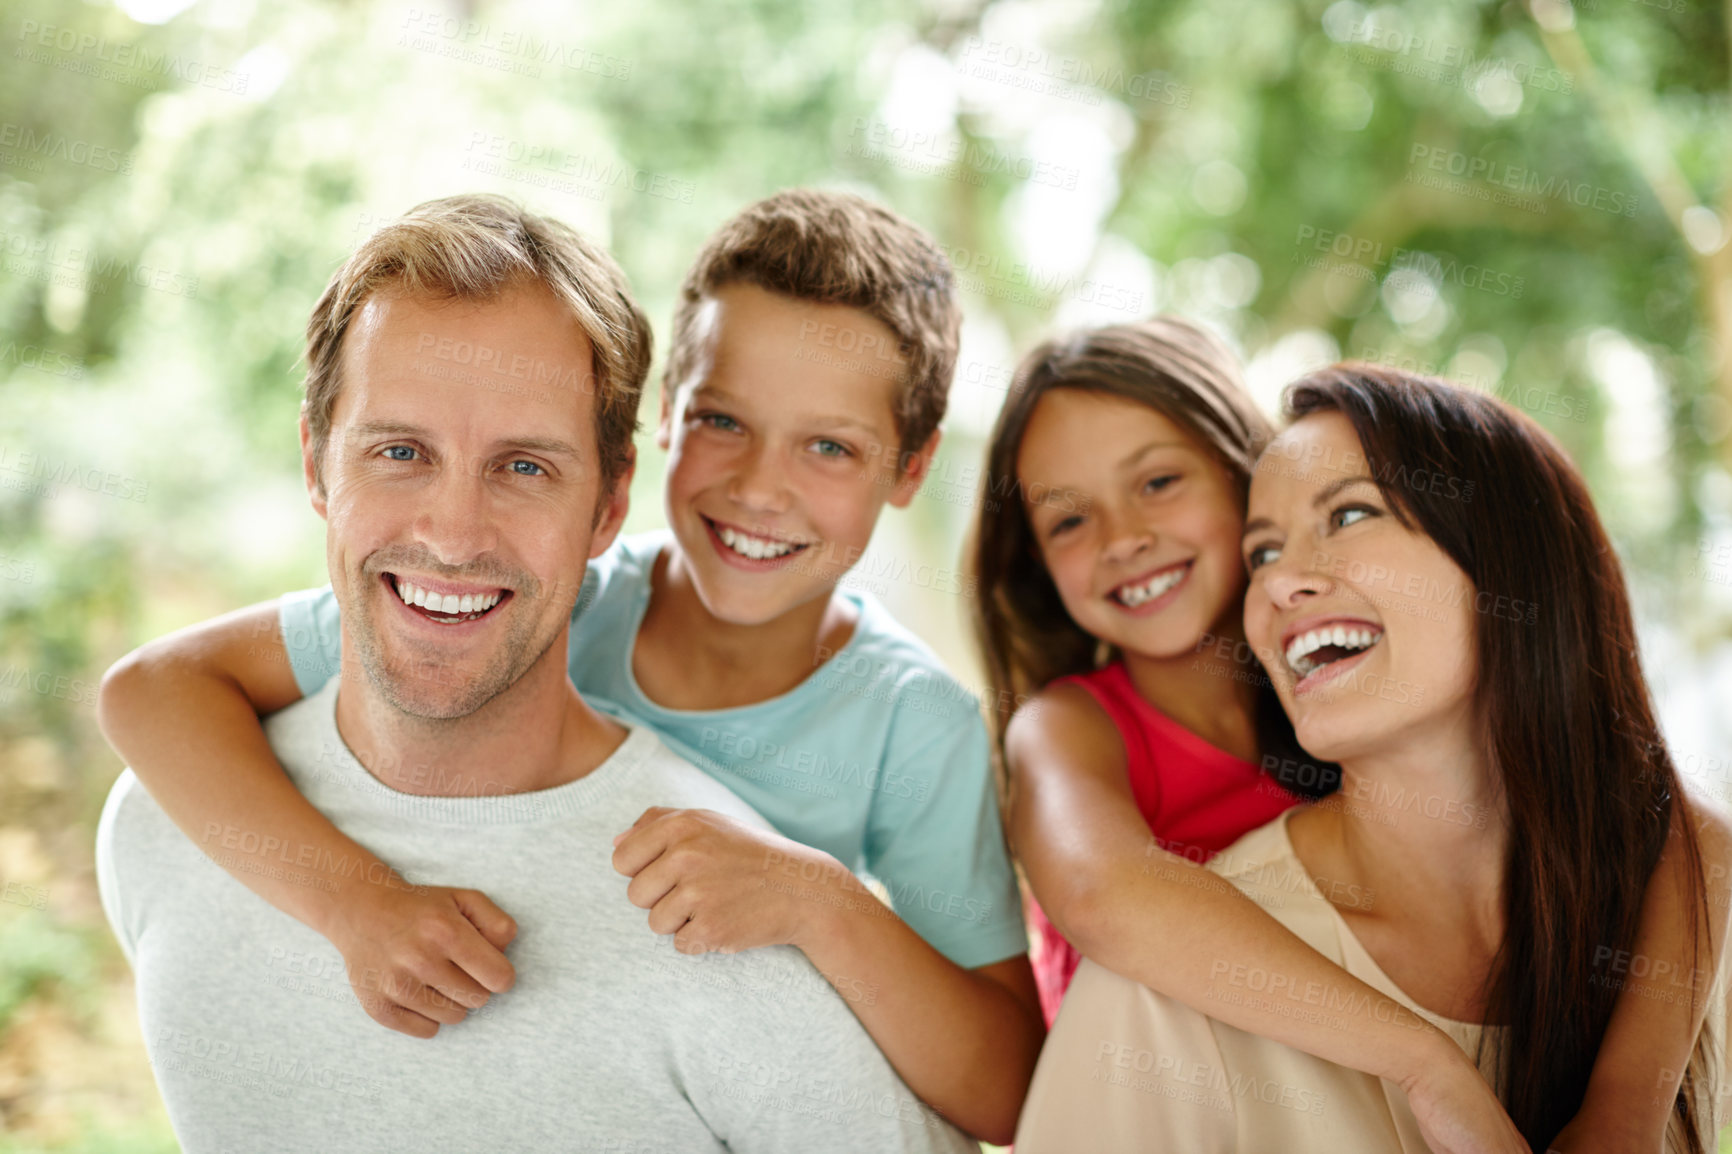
726	601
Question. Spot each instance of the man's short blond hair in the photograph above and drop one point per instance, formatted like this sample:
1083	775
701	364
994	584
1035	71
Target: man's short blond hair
475	248
835	248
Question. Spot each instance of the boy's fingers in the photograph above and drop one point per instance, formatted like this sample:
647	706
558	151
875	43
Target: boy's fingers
452	988
671	913
481	962
644	818
495	924
639	846
434	1003
394	1017
652	884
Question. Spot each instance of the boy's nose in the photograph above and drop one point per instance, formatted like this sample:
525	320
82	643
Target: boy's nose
761	484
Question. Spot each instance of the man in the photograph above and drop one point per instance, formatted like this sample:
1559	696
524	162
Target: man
472	390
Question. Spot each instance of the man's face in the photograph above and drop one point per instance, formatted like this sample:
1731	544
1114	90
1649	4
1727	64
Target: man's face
471	491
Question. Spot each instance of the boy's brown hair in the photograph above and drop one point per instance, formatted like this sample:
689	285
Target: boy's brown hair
474	248
835	248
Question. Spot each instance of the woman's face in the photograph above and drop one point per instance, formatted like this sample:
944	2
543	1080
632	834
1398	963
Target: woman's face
1364	625
1137	523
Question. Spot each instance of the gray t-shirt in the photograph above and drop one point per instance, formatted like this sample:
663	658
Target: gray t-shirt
611	1039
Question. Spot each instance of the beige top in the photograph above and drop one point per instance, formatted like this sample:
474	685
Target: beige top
1128	1069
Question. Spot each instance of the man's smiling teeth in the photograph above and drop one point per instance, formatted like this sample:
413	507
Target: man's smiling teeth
1348	638
1132	596
413	594
757	548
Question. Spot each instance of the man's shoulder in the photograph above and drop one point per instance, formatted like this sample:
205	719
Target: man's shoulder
663	773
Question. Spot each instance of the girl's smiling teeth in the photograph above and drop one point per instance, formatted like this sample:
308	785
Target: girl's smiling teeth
448	608
1315	648
752	547
1148	588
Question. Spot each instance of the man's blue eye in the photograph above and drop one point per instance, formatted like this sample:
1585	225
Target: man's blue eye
531	464
405	449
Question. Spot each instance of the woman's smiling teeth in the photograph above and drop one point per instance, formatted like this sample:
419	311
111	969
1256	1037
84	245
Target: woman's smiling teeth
465	608
1311	651
1150	588
756	548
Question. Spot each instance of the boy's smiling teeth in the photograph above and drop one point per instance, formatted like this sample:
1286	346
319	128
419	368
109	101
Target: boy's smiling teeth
452	607
756	548
1132	596
1312	650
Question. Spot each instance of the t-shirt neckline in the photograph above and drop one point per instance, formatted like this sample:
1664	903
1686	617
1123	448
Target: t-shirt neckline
540	805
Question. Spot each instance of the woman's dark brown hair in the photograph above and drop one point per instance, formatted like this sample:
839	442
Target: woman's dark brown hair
1564	712
1189	376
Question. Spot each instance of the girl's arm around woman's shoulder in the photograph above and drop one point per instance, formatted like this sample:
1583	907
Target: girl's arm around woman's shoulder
1122	901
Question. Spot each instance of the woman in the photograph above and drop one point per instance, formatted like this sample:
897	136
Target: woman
1441	615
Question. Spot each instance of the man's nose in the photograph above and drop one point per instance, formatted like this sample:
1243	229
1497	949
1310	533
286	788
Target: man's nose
455	520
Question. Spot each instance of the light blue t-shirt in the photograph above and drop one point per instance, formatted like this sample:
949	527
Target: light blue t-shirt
879	758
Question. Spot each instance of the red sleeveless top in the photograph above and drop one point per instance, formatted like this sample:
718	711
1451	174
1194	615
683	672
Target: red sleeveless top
1197	799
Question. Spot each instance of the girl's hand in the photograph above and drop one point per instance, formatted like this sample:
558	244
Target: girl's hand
1457	1111
720	885
419	957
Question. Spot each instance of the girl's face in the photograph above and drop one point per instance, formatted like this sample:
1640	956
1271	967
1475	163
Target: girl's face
1136	522
1365	625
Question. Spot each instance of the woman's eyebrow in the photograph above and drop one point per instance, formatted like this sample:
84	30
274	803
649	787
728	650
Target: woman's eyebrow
1335	487
1258	524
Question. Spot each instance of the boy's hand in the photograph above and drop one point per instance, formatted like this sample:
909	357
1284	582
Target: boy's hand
1457	1111
720	885
419	957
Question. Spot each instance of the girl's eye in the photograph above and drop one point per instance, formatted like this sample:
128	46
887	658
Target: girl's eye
1260	556
1156	484
408	453
538	470
828	448
1349	515
1064	526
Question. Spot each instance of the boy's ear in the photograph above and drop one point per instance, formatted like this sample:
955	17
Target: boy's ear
665	426
908	481
614	505
315	491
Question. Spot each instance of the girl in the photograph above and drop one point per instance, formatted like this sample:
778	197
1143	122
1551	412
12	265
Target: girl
1111	591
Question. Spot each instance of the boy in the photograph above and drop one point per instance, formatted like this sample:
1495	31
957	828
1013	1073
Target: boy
729	636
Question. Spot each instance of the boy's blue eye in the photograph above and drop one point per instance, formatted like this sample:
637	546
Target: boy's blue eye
719	421
829	448
1156	484
400	449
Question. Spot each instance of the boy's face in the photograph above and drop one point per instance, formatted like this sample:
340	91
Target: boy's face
782	449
